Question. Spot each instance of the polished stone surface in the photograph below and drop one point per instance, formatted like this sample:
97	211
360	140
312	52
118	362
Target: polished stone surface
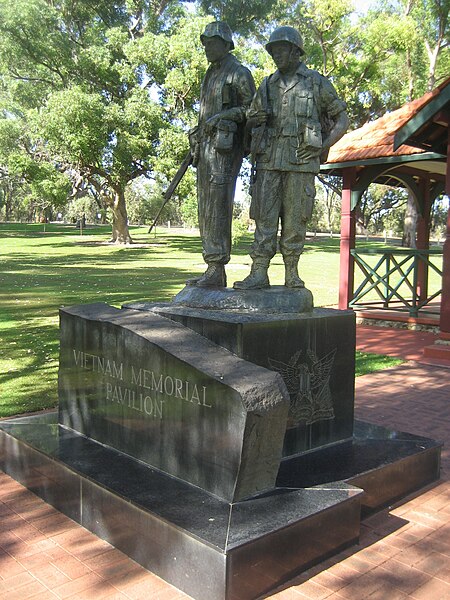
372	449
276	557
387	464
315	353
168	497
152	388
207	547
277	299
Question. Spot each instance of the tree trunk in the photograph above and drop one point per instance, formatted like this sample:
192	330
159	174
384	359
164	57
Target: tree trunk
432	69
410	225
120	233
360	226
8	195
410	75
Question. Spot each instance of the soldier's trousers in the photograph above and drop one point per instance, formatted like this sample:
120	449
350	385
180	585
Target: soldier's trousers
216	183
284	196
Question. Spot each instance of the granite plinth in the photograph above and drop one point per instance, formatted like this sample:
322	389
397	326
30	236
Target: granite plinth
209	548
274	300
387	464
314	352
205	546
154	389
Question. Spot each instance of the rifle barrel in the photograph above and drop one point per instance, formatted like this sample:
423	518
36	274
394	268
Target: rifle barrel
173	186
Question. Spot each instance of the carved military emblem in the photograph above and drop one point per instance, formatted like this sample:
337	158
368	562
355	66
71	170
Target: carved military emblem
307	379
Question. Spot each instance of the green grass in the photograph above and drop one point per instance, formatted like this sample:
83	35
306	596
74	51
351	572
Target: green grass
43	270
368	363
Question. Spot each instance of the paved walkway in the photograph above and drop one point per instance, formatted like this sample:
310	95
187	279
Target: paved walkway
394	342
404	551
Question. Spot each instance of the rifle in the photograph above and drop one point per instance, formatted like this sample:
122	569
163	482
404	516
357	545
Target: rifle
258	132
173	186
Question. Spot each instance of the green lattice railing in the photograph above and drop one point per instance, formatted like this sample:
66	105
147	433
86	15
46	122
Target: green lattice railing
391	278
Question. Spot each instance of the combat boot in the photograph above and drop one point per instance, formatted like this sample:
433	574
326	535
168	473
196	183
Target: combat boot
214	276
193	280
257	279
292	280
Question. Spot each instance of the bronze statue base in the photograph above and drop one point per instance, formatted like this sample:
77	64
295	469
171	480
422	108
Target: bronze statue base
277	299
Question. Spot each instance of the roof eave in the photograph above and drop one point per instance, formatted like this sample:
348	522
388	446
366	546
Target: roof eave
382	160
408	130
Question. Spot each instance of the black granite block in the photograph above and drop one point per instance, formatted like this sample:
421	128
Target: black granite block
159	397
409	462
207	547
185	561
284	553
314	352
387	464
154	389
49	479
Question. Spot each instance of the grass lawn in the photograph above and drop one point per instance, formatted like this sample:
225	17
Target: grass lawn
45	267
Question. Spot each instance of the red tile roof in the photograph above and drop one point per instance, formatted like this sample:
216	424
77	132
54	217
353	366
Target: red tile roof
376	139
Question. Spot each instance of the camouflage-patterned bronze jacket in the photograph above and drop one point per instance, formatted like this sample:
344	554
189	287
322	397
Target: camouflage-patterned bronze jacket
300	113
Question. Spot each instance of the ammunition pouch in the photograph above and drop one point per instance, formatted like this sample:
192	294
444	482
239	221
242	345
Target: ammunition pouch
224	136
309	140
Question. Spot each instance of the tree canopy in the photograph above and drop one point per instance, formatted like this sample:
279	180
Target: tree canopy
96	94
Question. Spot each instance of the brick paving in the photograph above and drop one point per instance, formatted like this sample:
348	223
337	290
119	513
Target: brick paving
404	551
394	342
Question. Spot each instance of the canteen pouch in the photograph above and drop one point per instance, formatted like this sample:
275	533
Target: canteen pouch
309	139
225	132
313	137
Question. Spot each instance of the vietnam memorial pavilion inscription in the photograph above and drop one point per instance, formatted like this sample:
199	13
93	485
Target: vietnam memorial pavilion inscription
139	389
161	393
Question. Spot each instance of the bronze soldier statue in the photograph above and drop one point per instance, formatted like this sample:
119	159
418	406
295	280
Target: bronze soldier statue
217	146
295	117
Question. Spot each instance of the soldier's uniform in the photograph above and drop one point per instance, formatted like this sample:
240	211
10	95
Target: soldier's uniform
284	186
226	91
300	113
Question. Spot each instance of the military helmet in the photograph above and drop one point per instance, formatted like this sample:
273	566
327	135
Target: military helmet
218	29
286	34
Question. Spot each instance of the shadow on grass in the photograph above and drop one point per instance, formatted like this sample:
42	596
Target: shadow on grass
57	271
28	380
37	231
37	283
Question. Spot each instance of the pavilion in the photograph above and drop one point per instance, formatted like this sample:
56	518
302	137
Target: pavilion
408	148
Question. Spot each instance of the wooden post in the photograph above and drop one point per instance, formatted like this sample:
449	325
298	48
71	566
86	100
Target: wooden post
445	300
346	271
441	349
423	238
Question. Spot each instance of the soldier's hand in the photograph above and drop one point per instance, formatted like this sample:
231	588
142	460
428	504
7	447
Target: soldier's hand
261	117
212	123
307	154
258	118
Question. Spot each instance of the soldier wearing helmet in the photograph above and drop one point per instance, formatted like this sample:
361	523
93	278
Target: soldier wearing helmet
295	117
217	146
286	34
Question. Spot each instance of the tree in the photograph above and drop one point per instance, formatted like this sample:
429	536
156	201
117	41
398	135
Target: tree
41	184
417	34
432	16
376	204
109	145
70	79
329	198
244	17
104	92
439	215
412	37
11	196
